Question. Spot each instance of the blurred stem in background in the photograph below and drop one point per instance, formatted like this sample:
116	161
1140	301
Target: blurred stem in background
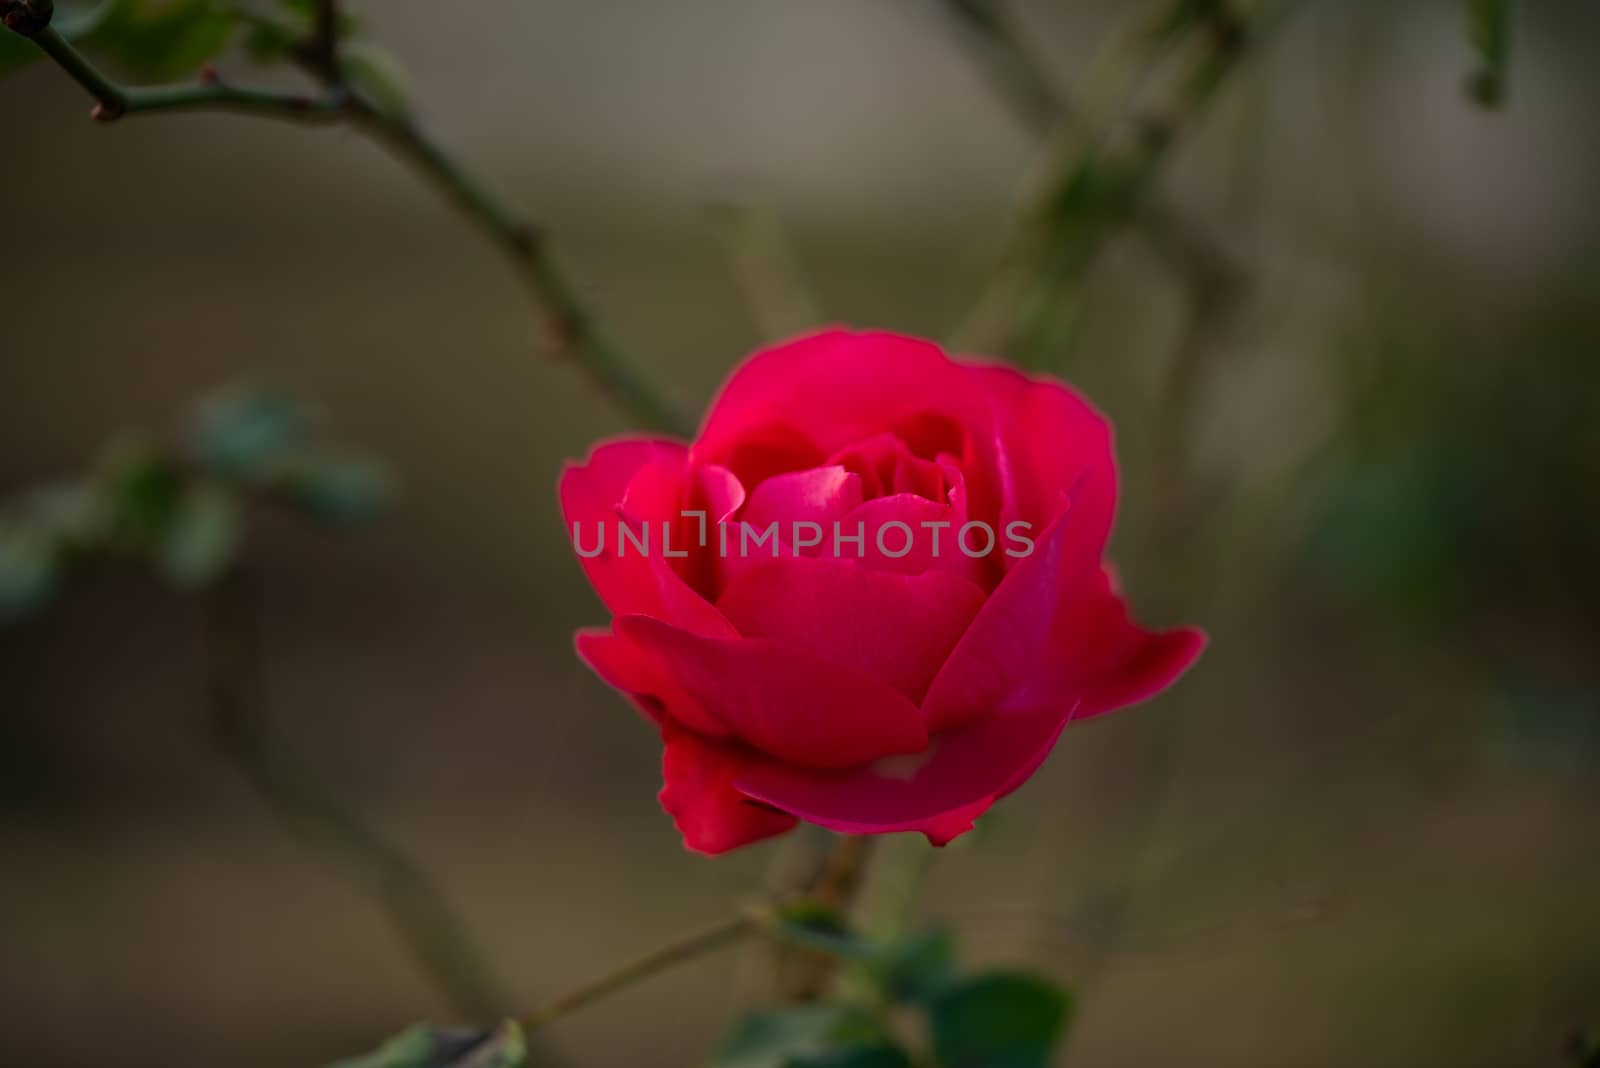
766	268
570	328
416	908
1100	170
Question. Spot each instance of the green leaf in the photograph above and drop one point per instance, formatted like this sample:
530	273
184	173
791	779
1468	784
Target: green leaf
251	433
202	536
426	1047
377	75
919	968
998	1020
876	1055
75	515
824	929
29	572
801	1037
161	39
341	489
142	486
1489	30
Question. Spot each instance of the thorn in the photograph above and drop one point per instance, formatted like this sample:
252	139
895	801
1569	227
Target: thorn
209	75
105	112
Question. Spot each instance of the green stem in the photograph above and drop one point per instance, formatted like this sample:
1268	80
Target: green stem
417	909
568	324
685	949
759	920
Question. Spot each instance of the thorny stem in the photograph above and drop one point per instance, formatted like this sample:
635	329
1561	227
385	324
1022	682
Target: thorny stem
568	325
416	908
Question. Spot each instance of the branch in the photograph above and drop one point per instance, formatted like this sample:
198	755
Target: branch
569	326
417	909
1045	110
324	44
1090	191
758	920
685	949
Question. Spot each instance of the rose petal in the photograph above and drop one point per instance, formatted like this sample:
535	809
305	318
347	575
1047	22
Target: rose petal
1051	633
935	791
640	676
836	387
698	793
1050	443
819	496
898	628
784	701
648	475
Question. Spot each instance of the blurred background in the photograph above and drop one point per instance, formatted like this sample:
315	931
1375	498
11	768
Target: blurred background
1366	457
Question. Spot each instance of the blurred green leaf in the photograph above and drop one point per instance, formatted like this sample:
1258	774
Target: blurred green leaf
251	433
875	1055
76	515
920	967
1489	30
142	487
824	929
28	571
268	39
426	1047
202	536
804	1037
341	489
998	1020
160	39
377	75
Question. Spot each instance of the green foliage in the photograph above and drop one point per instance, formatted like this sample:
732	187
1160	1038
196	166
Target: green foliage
918	968
28	572
161	39
375	74
809	1036
1489	30
251	434
998	1020
986	1020
427	1047
340	489
201	536
185	510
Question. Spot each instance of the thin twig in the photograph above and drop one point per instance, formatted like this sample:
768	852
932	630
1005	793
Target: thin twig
417	909
685	949
1091	189
766	268
569	327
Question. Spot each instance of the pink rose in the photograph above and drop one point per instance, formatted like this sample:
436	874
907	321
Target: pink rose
869	595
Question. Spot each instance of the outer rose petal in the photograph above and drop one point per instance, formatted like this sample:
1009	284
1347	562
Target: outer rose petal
644	680
837	386
898	628
698	793
1053	633
783	701
1050	443
636	470
938	792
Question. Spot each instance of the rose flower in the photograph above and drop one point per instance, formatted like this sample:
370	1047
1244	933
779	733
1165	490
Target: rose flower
870	594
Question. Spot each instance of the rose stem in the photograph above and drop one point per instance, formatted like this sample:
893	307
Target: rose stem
568	325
